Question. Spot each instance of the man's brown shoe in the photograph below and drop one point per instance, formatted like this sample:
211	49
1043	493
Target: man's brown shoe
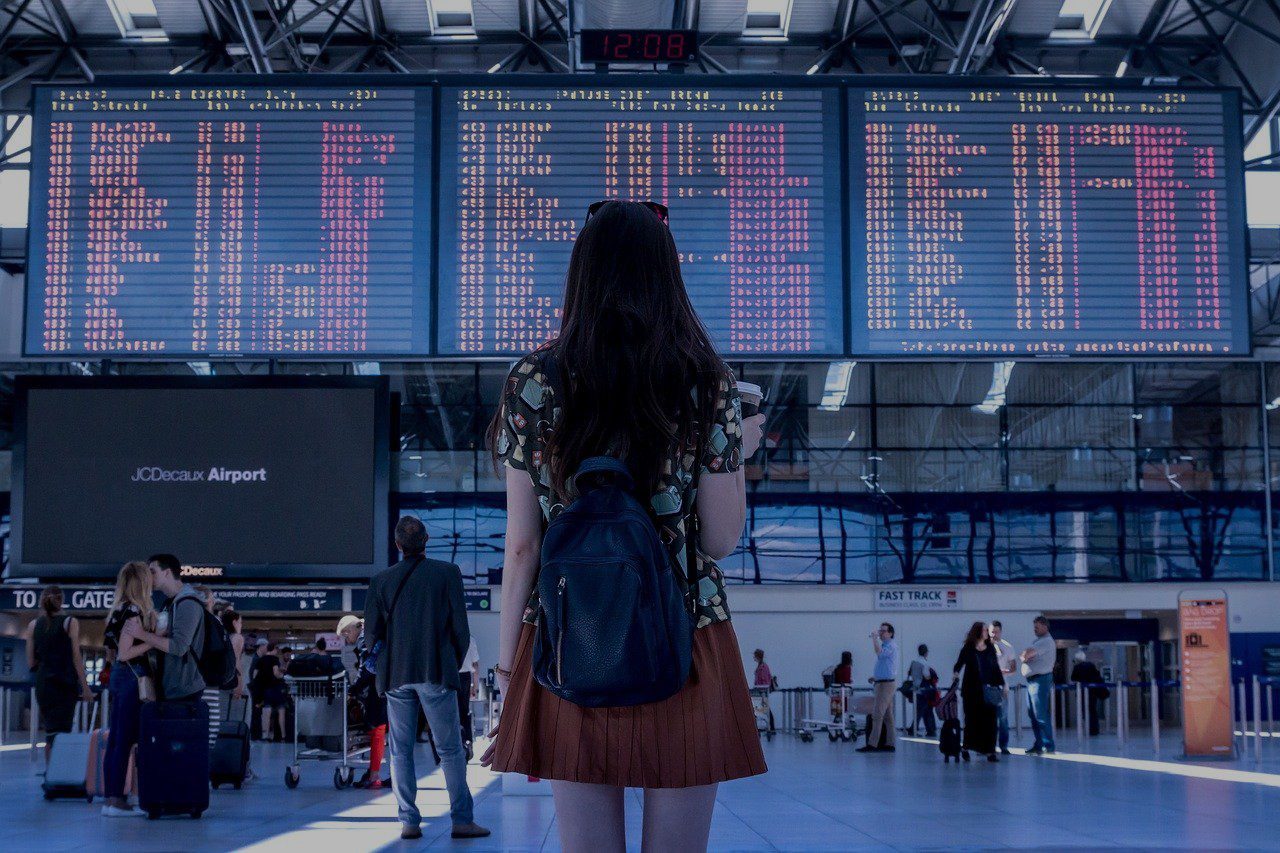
469	830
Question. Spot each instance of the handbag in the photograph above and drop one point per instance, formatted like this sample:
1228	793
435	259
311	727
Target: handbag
993	695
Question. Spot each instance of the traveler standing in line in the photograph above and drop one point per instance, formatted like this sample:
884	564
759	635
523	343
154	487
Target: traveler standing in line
267	681
1009	669
763	679
1037	668
842	673
417	611
248	668
181	680
236	700
468	689
212	695
981	691
53	655
131	664
1086	672
884	679
364	688
924	682
633	376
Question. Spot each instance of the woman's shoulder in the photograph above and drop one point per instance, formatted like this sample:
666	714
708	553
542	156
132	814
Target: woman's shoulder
528	380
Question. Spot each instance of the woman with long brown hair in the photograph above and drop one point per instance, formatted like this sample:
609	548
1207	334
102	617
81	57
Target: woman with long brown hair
53	655
632	375
131	665
981	691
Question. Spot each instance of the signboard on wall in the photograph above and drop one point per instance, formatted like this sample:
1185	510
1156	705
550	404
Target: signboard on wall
1206	675
245	599
918	598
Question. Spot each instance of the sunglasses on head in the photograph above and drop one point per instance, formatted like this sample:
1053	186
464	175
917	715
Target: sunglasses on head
659	210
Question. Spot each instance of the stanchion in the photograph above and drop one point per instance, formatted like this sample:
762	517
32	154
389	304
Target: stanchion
33	722
1271	720
1257	721
1018	704
1155	718
1243	714
1080	715
1123	715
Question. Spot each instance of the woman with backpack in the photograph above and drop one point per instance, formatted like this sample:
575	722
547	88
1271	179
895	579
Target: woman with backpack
624	436
53	655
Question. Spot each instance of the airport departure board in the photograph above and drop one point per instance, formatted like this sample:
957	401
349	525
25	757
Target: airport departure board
1048	221
245	220
747	173
386	217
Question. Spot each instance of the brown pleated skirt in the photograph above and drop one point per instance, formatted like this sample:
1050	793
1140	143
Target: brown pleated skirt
704	734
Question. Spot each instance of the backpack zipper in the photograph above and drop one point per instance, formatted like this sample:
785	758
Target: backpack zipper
560	633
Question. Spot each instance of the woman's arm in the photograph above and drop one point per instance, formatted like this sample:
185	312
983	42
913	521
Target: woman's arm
722	511
73	631
130	648
30	636
722	498
523	551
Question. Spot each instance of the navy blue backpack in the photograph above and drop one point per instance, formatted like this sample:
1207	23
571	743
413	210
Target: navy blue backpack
614	628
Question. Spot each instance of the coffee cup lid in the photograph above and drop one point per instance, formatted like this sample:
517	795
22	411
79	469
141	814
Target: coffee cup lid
750	388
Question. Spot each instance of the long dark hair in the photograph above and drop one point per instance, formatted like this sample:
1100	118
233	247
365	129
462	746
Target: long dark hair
630	350
975	634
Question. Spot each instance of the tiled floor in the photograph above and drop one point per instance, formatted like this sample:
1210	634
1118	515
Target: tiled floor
817	796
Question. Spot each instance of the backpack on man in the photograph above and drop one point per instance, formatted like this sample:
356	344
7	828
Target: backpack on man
216	657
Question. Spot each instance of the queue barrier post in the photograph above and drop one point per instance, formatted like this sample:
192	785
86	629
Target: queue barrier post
1242	714
1080	715
1155	718
1257	721
1123	714
1271	722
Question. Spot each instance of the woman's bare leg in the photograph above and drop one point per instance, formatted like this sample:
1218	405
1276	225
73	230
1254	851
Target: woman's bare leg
591	818
677	819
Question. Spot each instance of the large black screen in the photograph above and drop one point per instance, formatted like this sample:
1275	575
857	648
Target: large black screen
434	216
268	220
276	480
753	191
1062	221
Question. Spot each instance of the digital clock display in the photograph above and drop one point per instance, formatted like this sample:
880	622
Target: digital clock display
638	45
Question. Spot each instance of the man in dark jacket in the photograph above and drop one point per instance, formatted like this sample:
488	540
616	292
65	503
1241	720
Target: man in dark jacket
416	609
1086	672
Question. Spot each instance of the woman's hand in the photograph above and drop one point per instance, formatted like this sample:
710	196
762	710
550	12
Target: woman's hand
503	682
752	433
86	693
487	759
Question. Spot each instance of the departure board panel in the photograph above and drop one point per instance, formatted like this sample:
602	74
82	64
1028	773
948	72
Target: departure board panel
749	174
246	220
1046	221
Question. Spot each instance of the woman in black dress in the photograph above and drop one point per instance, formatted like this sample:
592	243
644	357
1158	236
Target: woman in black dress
981	670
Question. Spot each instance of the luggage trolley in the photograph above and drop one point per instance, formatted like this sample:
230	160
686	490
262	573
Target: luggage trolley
760	707
843	724
334	688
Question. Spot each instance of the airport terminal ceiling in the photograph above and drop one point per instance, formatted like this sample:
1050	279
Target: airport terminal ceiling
1129	469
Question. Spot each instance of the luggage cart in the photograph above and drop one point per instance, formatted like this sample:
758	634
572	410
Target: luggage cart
760	706
354	744
843	724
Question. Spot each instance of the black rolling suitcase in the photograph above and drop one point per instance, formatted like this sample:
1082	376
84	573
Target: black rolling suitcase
173	758
949	740
229	760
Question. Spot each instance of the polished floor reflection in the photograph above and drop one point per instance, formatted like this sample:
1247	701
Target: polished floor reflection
817	796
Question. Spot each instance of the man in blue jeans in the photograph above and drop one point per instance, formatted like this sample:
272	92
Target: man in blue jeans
416	610
1037	667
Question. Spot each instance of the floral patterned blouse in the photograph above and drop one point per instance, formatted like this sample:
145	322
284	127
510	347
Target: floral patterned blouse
528	414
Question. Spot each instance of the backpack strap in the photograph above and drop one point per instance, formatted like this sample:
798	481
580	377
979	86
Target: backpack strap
391	610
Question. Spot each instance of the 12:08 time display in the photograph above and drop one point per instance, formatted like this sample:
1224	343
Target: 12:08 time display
638	45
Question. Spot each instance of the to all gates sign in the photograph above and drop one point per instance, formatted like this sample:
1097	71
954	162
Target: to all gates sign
927	598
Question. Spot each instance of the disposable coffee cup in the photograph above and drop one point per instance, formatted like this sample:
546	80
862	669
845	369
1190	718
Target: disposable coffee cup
752	396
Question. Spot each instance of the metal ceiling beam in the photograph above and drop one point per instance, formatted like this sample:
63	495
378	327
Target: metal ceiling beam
247	29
